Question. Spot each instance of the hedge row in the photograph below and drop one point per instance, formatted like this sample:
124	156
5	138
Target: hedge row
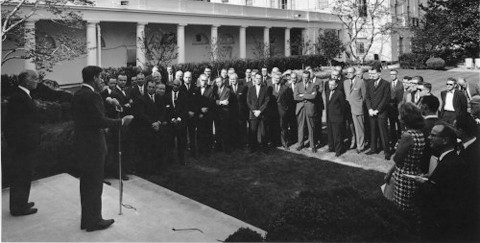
240	65
421	61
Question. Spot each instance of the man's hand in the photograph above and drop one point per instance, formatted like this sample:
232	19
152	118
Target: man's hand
204	109
375	112
127	119
156	126
200	116
256	113
300	95
370	112
191	113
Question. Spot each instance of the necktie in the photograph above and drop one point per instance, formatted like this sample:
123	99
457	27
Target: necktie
235	89
174	98
331	93
375	84
351	85
188	86
306	85
152	98
258	90
202	90
277	88
141	90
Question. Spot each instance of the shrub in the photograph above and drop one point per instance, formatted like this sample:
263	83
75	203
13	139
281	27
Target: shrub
413	61
245	235
435	63
341	214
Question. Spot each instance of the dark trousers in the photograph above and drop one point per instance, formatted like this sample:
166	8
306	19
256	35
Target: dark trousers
222	124
91	186
191	131
239	132
146	150
257	132
449	116
178	132
274	129
284	135
318	126
380	123
205	135
395	127
113	147
336	133
292	125
21	177
303	119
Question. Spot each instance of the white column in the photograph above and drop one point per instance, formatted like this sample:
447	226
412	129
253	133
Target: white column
287	42
141	61
92	43
30	43
99	45
181	43
243	42
305	42
266	41
214	42
313	37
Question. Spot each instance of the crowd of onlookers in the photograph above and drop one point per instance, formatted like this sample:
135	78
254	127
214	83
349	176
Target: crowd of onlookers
433	140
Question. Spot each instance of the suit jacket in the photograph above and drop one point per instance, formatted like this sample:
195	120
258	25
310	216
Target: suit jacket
180	109
206	100
190	92
89	119
459	102
239	106
124	99
22	128
306	103
284	100
110	110
336	106
472	87
259	103
378	97
147	112
224	95
134	92
397	93
355	95
319	104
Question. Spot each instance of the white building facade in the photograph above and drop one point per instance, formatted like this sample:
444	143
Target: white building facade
113	29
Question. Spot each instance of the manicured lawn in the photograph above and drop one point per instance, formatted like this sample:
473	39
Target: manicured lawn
436	78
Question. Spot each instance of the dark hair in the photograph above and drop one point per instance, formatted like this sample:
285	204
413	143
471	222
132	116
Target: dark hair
448	132
307	72
466	123
428	86
407	77
89	72
430	102
149	78
419	78
377	68
411	116
23	76
452	79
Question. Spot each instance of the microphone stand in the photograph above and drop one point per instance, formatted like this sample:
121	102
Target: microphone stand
119	111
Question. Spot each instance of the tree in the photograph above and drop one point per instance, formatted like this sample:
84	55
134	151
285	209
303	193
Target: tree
159	46
358	24
448	26
329	45
65	45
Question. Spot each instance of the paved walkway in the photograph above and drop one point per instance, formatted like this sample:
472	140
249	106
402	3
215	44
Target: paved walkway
157	211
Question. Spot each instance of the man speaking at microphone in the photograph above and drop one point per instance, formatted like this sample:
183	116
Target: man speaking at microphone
89	140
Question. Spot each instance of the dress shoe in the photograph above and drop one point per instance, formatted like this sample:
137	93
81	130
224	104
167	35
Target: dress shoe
27	211
102	224
30	204
286	147
387	156
352	146
371	152
298	148
360	150
337	154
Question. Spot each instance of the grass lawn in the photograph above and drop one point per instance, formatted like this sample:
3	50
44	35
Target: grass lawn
438	79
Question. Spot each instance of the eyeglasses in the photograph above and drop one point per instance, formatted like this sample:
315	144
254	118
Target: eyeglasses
449	84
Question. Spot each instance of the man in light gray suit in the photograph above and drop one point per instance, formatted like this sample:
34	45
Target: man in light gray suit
355	92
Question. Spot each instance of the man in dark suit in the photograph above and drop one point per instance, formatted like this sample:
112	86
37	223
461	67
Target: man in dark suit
291	117
266	79
377	97
336	105
89	140
168	80
176	104
305	94
257	101
239	111
442	198
22	134
283	98
147	114
138	90
189	89
205	101
454	102
248	81
222	114
469	89
396	92
429	107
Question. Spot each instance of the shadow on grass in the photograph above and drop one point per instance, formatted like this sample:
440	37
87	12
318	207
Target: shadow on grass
256	187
